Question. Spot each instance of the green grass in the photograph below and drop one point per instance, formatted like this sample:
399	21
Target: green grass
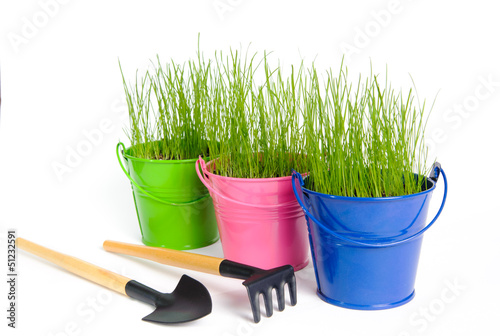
166	109
255	125
363	139
359	139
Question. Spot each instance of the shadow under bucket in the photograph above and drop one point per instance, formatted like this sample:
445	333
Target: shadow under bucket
260	223
366	250
174	209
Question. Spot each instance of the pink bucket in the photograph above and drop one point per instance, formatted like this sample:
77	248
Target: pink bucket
260	222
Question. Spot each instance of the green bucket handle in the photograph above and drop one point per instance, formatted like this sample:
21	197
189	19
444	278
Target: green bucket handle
120	144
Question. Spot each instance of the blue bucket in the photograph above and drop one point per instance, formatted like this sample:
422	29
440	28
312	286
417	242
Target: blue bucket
365	250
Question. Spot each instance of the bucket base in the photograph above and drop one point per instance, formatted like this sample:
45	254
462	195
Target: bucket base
301	266
366	307
185	247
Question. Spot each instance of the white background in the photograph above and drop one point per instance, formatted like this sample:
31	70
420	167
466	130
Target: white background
60	80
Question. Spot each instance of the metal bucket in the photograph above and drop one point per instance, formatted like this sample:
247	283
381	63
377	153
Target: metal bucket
366	250
173	207
260	223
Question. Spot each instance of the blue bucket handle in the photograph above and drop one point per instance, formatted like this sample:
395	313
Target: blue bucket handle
435	171
434	175
120	144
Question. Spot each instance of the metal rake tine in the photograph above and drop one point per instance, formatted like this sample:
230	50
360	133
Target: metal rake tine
254	303
280	293
268	301
292	287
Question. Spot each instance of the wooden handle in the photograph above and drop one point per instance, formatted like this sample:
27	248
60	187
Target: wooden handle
192	261
82	268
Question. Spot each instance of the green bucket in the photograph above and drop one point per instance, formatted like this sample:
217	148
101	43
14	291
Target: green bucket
174	208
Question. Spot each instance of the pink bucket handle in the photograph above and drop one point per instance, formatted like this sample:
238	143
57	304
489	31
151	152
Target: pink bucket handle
201	162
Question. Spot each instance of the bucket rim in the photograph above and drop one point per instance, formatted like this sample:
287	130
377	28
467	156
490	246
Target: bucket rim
241	179
126	155
373	199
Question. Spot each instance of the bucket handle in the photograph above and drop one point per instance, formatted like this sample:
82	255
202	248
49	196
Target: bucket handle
120	144
201	162
435	171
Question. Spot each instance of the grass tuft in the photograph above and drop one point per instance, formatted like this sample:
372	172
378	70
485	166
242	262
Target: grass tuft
166	111
258	123
364	139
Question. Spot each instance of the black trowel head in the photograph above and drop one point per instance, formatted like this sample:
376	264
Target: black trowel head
189	301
